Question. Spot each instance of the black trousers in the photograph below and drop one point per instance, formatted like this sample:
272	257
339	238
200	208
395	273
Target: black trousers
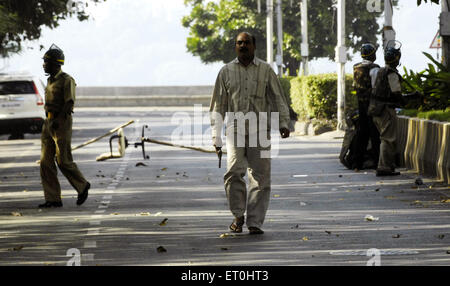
366	130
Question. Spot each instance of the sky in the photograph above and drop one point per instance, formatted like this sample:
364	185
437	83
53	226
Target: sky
142	43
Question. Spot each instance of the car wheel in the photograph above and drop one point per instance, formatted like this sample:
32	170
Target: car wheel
16	136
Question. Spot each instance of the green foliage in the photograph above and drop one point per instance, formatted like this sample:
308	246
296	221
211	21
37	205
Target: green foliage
315	96
433	83
22	20
213	26
438	115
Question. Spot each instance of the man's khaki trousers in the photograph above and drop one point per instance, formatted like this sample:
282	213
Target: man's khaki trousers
58	143
256	200
386	124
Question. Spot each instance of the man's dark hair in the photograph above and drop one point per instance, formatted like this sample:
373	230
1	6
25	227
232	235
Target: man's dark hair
250	35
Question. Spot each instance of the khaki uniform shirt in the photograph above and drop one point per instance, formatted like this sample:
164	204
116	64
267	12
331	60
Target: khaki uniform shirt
254	88
60	90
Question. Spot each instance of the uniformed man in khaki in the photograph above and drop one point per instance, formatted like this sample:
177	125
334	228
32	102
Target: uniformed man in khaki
386	96
245	86
57	133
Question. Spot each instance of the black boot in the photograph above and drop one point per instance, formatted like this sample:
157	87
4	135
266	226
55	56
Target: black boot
83	196
51	205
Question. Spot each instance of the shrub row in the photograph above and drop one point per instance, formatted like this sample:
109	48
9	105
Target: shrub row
315	96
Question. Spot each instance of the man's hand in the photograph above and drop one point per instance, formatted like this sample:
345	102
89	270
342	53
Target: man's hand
284	132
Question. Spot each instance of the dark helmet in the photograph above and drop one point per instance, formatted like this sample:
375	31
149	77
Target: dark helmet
368	50
392	55
54	55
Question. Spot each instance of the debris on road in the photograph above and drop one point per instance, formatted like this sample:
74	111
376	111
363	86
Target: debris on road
161	249
141	164
163	222
16	214
441	236
328	232
419	181
225	235
305	238
144	214
371	218
17	248
396	236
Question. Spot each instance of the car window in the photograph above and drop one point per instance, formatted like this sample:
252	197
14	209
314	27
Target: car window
16	87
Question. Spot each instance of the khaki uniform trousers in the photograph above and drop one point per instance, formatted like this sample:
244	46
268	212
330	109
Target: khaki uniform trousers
58	143
386	124
256	200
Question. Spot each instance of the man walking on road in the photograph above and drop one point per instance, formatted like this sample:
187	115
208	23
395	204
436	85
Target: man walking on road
56	134
247	86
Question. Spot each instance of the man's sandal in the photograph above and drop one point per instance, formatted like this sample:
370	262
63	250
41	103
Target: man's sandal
237	224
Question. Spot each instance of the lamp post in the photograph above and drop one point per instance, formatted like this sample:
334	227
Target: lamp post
304	27
388	30
269	32
445	32
279	57
341	59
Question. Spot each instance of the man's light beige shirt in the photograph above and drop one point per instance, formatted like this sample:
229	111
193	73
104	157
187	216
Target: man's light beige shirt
245	89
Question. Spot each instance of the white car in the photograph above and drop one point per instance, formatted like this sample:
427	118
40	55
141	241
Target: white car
21	105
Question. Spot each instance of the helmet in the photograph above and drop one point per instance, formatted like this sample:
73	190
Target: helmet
368	50
392	55
54	55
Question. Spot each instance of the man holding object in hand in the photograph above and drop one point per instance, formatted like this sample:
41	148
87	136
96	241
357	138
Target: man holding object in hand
247	87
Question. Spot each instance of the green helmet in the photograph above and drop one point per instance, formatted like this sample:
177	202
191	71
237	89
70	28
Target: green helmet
54	55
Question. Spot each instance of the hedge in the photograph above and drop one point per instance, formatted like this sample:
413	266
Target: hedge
315	96
438	115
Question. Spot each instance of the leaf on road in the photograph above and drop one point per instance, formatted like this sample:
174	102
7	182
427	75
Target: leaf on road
161	249
225	235
145	214
16	214
163	169
276	196
305	238
163	222
445	201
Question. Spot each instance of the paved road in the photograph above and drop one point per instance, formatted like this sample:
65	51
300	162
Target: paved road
176	202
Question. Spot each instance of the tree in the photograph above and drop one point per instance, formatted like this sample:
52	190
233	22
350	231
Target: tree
213	26
22	20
